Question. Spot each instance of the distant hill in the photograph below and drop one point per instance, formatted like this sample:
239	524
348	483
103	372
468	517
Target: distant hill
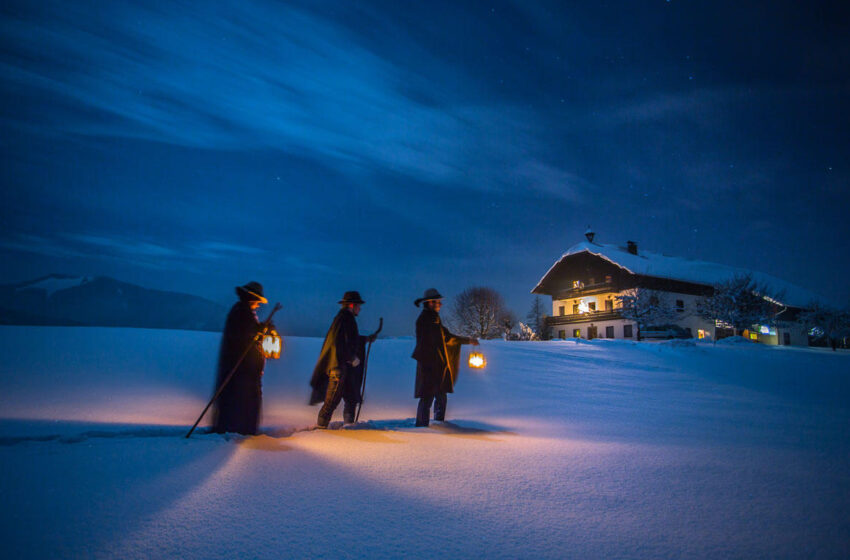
102	301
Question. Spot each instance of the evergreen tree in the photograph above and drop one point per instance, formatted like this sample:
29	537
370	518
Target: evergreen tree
536	318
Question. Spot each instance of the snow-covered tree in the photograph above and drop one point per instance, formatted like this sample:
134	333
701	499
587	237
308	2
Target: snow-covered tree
478	311
835	323
526	332
740	302
645	307
536	318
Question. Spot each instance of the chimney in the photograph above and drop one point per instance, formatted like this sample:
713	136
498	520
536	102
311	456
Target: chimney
589	234
631	247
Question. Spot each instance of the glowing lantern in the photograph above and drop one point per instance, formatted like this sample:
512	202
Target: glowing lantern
271	345
476	360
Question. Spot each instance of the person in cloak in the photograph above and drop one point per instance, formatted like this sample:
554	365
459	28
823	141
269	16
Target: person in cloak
339	369
437	356
237	409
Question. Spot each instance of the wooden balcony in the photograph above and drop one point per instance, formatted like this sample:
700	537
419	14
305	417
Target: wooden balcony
588	290
583	317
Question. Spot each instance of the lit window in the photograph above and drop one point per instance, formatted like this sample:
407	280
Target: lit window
700	334
754	336
577	333
608	279
576	284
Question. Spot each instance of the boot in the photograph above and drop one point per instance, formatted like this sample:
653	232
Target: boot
423	413
348	413
440	407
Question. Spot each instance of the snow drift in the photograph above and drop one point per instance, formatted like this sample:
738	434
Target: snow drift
563	449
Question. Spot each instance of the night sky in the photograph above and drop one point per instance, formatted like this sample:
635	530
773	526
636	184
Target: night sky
389	147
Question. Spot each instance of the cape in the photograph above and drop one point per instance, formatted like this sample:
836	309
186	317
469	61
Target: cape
342	343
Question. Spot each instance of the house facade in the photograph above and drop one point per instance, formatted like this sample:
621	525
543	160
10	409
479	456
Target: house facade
585	283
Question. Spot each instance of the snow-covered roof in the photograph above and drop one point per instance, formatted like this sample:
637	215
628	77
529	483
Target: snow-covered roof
686	270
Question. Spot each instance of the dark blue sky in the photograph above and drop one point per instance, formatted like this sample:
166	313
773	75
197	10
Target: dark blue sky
390	147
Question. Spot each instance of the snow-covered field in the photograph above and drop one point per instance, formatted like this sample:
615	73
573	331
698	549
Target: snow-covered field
602	449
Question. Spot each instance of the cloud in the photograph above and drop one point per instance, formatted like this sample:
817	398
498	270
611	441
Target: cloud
262	75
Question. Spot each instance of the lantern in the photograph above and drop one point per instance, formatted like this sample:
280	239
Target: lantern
271	345
476	360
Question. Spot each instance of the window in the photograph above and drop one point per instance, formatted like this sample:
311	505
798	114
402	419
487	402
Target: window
627	331
680	306
786	339
561	310
591	333
591	306
592	281
576	333
754	336
609	306
575	309
562	334
608	279
701	334
609	332
576	284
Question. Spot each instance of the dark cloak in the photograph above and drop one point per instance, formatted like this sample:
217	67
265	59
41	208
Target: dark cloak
437	354
237	409
342	343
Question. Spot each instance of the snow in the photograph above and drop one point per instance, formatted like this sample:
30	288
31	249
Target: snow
677	268
53	284
563	449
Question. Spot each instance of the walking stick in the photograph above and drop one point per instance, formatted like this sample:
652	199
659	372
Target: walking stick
365	365
264	327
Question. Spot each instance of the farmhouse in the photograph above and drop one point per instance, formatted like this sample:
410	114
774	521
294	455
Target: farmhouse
585	282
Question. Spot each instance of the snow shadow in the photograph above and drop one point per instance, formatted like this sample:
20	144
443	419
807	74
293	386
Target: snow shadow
144	432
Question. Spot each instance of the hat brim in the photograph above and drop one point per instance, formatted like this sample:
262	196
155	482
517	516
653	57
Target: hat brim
252	295
420	300
360	301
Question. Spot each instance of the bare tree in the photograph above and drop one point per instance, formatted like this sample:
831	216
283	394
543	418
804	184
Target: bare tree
507	322
740	302
645	307
478	312
834	323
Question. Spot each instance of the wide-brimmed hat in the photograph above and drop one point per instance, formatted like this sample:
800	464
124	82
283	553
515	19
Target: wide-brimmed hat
430	293
252	291
351	297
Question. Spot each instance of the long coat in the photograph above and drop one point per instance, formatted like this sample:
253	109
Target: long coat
342	343
437	354
237	409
